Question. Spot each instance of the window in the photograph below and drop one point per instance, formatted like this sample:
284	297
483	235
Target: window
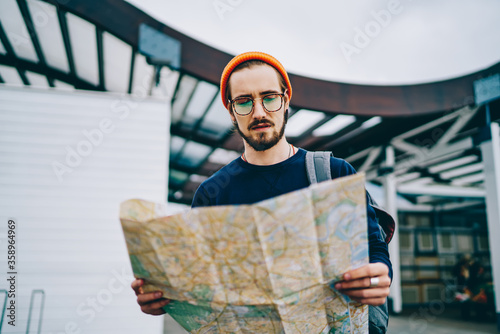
446	242
406	241
425	241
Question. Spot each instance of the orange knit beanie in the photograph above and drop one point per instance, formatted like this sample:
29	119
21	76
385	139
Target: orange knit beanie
246	57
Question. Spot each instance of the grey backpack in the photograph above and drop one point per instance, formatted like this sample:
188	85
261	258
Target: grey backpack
318	170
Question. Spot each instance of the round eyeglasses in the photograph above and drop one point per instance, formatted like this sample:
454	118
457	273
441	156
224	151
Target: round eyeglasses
244	105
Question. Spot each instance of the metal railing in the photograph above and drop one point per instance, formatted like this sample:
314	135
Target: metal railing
33	293
3	308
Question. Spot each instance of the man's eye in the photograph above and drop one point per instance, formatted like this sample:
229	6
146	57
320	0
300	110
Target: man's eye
244	102
270	98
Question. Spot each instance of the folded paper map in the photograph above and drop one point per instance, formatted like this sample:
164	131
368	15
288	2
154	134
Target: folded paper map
261	268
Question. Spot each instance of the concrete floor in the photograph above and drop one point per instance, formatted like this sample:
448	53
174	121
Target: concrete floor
423	320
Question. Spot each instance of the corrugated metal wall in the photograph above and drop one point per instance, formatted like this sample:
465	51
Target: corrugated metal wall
67	159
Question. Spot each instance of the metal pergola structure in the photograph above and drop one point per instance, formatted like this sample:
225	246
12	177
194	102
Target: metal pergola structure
94	45
424	141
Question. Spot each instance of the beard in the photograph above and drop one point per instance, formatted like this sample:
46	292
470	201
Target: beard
260	142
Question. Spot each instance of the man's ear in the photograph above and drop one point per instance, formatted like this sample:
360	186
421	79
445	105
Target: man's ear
233	119
287	100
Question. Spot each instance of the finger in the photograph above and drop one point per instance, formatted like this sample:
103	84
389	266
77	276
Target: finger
370	301
147	298
369	270
367	293
137	286
157	312
384	281
155	308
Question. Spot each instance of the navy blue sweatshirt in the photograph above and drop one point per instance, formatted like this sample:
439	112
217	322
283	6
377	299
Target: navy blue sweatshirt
242	183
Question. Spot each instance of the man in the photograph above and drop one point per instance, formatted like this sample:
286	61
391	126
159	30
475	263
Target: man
256	91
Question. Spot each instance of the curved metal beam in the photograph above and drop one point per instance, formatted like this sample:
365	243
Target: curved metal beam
200	60
25	65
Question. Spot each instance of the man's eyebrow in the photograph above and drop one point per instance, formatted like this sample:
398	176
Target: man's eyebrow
270	91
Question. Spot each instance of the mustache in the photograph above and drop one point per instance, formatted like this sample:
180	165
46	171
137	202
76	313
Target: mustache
260	122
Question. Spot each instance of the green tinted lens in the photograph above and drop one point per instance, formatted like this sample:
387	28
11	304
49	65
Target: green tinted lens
243	106
272	102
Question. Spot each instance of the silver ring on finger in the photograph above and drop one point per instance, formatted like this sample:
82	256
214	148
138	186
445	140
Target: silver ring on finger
374	281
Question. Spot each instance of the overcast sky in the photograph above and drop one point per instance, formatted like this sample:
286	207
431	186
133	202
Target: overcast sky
364	41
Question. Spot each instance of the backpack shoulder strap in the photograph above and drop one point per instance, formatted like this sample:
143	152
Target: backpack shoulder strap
385	220
318	166
318	170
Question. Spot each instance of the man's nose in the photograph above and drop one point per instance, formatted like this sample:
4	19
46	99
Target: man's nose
258	110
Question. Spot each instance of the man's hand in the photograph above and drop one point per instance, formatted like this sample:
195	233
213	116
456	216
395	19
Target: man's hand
357	284
150	303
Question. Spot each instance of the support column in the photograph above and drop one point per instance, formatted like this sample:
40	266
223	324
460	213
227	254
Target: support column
491	159
391	207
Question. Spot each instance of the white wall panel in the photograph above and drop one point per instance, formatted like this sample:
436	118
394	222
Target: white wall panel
70	242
